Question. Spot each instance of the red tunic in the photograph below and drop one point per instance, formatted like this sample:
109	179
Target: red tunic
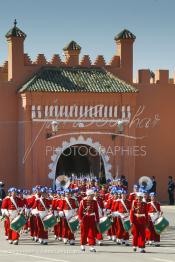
121	208
8	204
151	208
88	208
138	211
65	206
39	205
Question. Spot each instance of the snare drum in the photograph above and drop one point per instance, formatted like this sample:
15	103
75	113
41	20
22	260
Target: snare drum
161	224
49	221
74	224
18	223
126	224
105	224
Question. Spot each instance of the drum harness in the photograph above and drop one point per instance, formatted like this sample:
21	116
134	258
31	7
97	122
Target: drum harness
42	202
127	211
14	203
67	201
85	211
154	206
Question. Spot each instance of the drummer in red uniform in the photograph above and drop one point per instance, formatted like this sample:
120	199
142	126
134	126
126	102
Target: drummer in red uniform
12	206
33	212
83	186
68	209
112	231
55	200
139	221
123	207
88	217
42	205
154	212
101	210
132	195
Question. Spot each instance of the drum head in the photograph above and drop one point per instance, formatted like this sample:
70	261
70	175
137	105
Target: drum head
158	220
103	219
16	219
73	219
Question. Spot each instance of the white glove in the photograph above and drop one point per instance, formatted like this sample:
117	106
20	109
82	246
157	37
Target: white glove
4	212
27	211
61	213
55	213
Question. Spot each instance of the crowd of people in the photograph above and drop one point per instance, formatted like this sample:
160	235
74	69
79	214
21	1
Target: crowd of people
96	211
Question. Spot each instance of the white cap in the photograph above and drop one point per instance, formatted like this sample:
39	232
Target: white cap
89	192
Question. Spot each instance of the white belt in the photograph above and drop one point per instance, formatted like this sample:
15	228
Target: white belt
139	215
122	215
92	214
153	213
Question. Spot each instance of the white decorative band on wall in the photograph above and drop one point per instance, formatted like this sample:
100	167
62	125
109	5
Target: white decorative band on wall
82	111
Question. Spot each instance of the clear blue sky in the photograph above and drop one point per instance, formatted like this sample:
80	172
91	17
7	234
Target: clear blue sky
51	24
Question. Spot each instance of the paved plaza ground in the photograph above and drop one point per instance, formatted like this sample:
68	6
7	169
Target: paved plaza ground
56	251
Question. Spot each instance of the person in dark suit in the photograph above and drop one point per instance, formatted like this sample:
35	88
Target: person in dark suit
171	187
2	193
154	186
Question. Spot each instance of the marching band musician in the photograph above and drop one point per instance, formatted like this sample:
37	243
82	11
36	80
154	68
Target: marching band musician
12	206
123	207
139	220
21	195
42	205
101	210
146	198
6	220
33	212
55	199
111	233
142	208
84	185
132	195
60	223
68	209
154	212
88	217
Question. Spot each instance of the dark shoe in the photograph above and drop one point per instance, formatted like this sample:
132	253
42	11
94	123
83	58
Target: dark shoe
157	245
134	249
92	250
142	251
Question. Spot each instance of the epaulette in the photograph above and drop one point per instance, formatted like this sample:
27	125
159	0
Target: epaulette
6	197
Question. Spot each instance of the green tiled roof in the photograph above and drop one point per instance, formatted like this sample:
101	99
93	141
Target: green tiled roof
15	31
65	79
72	46
125	34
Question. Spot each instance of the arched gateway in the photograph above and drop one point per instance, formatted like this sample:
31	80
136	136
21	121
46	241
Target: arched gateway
79	149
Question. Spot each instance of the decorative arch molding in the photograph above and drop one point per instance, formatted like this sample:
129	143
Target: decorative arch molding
77	141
